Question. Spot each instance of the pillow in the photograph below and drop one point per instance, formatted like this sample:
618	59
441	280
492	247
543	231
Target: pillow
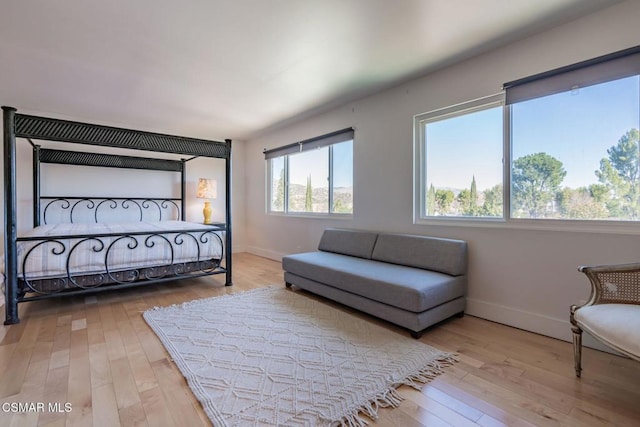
348	242
429	253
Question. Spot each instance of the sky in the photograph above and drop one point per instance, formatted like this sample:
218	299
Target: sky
315	163
462	147
576	127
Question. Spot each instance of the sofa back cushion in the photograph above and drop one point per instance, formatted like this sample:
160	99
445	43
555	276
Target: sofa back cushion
429	253
348	242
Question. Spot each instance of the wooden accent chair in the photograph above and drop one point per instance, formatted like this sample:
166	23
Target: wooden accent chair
612	314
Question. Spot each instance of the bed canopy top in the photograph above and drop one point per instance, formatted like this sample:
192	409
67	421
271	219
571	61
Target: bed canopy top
49	129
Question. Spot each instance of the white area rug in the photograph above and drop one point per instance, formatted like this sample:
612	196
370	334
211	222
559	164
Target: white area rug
272	356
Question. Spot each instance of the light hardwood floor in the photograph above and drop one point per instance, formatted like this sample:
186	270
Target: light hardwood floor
99	355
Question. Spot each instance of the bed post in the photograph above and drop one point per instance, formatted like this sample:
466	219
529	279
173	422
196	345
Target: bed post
36	186
10	232
183	189
227	185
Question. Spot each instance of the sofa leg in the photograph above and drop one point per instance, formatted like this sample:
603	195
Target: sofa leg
460	315
417	334
287	284
577	349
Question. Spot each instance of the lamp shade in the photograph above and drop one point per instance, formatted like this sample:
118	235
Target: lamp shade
207	189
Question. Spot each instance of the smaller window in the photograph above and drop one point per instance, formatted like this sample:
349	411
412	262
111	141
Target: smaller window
342	182
313	176
277	173
308	181
459	150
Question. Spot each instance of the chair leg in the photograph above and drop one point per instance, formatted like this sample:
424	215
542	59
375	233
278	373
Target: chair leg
577	349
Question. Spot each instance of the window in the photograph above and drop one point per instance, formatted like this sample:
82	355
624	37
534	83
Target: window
461	159
313	176
576	155
308	181
571	148
342	182
277	174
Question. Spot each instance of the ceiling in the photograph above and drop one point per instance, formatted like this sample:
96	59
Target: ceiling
232	68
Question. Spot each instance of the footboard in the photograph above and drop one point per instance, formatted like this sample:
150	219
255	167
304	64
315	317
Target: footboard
55	265
145	255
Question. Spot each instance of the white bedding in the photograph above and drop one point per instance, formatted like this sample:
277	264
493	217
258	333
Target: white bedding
43	263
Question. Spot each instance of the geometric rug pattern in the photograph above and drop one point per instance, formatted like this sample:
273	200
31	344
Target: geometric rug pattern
273	356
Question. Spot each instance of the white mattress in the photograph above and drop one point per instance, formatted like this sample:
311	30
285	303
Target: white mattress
156	250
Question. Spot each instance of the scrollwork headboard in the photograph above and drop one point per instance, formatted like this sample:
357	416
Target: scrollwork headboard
56	209
108	209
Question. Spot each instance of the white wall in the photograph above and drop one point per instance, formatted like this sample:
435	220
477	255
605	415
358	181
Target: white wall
525	278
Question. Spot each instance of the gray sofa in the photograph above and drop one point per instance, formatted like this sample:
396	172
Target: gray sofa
412	281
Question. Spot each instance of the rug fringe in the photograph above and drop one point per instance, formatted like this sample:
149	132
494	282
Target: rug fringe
391	398
196	302
430	371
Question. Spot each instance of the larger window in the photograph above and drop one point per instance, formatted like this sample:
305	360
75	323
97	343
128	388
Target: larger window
571	148
575	153
313	176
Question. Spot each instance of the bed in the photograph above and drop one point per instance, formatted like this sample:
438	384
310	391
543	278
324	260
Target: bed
84	244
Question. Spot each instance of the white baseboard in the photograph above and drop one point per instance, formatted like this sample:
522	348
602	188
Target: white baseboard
529	321
238	248
265	253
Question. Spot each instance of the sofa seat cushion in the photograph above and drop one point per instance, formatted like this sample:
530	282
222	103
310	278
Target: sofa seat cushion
616	324
408	288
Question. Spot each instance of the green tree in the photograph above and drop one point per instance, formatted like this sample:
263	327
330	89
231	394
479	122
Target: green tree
308	196
464	202
431	200
468	200
492	205
444	198
599	192
619	172
535	179
342	206
474	196
579	203
278	202
624	156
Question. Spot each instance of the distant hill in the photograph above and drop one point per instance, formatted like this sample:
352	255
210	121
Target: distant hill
343	197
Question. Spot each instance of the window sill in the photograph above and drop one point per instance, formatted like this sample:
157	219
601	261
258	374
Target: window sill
584	226
312	215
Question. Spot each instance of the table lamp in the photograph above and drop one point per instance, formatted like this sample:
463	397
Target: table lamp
207	189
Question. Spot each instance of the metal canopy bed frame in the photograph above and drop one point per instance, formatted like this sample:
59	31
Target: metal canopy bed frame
19	287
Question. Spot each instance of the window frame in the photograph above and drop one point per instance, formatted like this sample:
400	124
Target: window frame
506	222
330	182
269	185
420	168
593	71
